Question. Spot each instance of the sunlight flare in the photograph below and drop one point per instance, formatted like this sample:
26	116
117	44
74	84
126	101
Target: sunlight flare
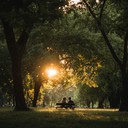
51	72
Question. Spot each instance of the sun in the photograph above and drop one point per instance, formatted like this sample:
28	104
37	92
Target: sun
51	72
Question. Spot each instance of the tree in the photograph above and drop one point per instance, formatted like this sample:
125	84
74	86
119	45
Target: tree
109	82
109	78
18	19
122	62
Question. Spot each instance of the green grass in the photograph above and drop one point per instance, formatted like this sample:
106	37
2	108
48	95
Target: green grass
61	118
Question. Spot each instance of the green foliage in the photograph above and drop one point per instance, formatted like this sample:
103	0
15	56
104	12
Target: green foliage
6	84
29	89
67	41
73	38
29	8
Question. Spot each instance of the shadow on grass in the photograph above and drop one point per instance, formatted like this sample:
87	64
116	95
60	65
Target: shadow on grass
52	118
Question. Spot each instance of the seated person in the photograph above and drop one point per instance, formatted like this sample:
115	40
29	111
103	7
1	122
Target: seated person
63	101
70	102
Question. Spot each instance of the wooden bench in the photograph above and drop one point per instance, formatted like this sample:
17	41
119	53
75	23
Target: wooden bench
65	105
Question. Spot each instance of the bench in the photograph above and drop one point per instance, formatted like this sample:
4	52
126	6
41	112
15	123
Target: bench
65	105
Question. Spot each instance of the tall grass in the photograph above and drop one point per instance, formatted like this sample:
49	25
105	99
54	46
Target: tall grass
61	118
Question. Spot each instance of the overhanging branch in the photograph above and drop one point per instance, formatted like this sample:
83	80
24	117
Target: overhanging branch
98	22
102	8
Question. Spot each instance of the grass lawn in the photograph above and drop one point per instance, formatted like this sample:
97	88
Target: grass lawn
61	118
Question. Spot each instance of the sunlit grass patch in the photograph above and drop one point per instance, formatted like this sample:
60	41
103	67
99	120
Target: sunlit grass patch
89	114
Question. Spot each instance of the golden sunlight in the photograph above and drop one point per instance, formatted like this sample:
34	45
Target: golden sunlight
51	72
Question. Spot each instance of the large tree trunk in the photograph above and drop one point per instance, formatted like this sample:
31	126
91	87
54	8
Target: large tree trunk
18	87
124	94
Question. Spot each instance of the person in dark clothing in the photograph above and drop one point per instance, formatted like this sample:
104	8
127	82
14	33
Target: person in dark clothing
71	103
63	103
70	100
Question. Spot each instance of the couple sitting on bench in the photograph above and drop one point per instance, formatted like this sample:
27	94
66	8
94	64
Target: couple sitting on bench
70	104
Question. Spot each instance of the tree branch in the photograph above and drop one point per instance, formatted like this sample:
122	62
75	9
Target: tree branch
24	37
98	22
9	35
102	8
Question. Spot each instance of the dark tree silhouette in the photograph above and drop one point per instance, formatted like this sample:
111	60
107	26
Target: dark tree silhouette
18	18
